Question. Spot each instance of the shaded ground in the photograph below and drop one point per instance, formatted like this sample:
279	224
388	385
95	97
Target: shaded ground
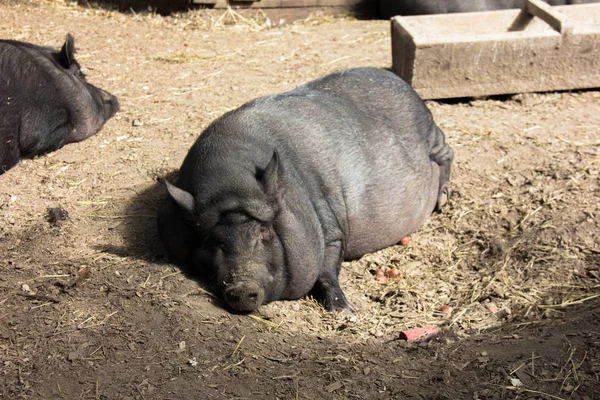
91	309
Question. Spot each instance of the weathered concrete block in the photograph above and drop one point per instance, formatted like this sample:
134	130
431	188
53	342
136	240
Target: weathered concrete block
498	52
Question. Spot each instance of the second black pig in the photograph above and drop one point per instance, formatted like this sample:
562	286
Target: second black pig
390	8
274	195
45	101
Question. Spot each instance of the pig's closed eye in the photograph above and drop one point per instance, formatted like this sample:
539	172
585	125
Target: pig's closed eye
266	234
233	217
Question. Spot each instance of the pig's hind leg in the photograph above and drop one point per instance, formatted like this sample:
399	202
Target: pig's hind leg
442	155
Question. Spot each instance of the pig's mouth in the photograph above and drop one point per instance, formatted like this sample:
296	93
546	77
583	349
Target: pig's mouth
244	296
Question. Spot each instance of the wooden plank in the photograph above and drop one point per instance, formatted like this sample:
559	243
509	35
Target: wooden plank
477	54
551	16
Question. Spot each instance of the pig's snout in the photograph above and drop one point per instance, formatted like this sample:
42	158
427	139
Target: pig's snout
245	296
110	104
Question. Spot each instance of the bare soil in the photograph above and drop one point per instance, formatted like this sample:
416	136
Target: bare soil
90	308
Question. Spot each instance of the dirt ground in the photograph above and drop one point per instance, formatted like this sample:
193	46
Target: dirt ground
91	309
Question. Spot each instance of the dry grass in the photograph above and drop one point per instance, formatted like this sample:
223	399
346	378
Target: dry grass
256	23
317	18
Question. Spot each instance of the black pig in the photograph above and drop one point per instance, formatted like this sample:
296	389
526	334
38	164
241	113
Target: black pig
45	101
274	195
390	8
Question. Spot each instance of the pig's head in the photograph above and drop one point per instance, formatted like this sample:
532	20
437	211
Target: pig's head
236	227
100	104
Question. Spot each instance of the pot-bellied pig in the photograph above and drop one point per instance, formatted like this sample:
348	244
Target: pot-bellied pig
45	101
274	195
390	8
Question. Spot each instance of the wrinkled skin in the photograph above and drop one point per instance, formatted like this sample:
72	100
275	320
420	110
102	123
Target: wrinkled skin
274	195
390	8
45	101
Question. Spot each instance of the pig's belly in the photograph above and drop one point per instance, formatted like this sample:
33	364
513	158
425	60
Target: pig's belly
390	213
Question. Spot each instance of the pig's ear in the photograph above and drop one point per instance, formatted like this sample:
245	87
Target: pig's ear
272	178
184	199
67	53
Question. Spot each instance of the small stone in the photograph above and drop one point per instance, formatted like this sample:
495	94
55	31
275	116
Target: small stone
491	308
516	382
26	289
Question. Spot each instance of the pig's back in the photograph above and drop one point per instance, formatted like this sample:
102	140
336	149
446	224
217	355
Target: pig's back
367	142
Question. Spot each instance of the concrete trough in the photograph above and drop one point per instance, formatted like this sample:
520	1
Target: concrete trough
539	48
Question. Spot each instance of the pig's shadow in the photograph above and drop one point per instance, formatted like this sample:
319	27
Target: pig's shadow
139	231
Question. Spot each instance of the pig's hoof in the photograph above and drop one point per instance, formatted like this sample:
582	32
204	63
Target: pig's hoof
347	311
338	304
442	198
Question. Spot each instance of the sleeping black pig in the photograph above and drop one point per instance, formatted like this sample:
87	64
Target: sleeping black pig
390	8
45	101
274	195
